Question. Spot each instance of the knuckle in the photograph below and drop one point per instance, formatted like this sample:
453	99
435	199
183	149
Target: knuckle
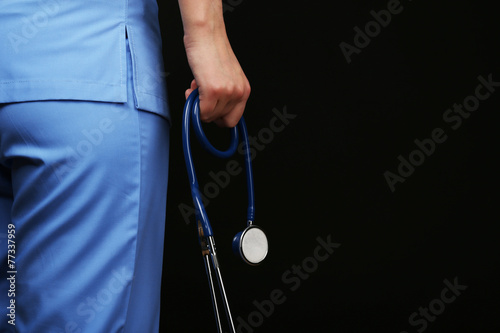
222	90
239	92
248	90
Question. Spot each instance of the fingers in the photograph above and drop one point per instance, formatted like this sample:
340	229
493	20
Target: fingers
225	105
231	113
231	119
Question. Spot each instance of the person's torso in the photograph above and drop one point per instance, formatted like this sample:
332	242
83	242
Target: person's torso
75	50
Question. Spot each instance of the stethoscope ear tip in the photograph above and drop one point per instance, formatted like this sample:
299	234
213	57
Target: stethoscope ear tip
251	245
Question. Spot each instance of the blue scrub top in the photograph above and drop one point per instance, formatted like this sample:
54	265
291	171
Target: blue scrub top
75	50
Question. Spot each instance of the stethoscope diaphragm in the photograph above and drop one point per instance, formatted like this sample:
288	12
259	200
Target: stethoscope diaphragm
251	245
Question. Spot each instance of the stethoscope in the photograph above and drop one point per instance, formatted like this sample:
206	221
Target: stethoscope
250	244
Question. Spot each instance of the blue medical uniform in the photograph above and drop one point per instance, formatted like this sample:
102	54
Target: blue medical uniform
84	143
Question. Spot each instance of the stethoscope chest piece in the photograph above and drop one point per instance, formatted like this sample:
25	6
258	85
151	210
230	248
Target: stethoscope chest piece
251	245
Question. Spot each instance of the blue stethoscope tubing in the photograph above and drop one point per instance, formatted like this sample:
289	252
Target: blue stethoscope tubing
192	114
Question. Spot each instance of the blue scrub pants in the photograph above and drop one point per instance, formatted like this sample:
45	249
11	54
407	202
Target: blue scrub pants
84	186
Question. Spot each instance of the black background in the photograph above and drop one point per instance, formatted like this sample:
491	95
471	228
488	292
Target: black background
323	174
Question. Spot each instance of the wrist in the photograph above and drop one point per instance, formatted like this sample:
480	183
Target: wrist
201	19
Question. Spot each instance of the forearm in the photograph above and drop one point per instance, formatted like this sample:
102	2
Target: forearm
223	87
202	18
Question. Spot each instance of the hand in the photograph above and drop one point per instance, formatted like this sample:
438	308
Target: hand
221	82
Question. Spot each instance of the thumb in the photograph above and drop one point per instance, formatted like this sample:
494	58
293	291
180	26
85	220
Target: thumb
190	90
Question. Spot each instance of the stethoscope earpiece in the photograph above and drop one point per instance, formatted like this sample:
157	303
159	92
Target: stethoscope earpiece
251	245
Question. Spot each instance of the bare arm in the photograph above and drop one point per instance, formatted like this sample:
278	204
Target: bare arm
223	87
